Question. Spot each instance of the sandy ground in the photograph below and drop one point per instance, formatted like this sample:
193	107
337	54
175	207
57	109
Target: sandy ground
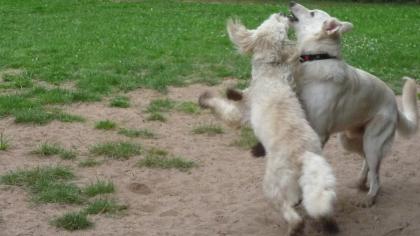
223	196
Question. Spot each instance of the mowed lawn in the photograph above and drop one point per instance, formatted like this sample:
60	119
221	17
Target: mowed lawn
56	52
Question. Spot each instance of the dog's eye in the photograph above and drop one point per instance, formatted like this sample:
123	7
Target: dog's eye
312	13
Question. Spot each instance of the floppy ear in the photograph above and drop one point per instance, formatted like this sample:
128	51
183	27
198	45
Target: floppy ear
240	36
336	27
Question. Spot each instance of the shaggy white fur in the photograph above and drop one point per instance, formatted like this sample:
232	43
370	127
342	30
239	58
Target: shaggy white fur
340	98
295	169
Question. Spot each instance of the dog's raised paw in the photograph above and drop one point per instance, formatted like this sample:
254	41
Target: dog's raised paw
203	99
258	150
233	94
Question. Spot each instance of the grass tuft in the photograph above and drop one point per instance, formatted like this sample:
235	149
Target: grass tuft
157	158
18	81
31	177
72	221
47	149
47	184
156	116
117	150
160	105
188	107
120	101
105	124
102	206
41	117
49	191
134	133
4	143
210	129
100	187
246	139
89	163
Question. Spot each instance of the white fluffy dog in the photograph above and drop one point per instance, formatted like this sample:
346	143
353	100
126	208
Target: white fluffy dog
340	98
295	169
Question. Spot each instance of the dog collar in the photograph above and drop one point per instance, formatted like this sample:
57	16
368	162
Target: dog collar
313	57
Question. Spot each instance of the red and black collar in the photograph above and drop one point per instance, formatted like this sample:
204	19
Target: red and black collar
313	57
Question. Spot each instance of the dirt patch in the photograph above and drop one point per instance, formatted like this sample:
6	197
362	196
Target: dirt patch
139	188
222	196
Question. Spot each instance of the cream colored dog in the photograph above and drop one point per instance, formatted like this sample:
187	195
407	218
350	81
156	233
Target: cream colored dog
295	169
340	98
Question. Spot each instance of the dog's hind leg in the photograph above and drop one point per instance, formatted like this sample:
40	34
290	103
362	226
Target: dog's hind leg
296	224
283	191
352	140
377	141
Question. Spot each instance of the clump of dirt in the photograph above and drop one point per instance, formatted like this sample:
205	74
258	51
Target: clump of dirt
139	188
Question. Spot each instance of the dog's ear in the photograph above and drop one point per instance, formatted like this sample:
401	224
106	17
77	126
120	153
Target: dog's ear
240	36
336	27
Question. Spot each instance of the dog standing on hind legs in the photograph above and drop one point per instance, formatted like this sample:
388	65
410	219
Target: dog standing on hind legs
340	98
295	169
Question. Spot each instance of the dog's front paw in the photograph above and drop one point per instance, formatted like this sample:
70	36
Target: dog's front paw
204	98
233	94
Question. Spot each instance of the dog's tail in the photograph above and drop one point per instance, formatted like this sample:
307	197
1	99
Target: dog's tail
408	117
318	190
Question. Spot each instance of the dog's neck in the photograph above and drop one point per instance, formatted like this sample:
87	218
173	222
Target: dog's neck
268	66
316	45
271	66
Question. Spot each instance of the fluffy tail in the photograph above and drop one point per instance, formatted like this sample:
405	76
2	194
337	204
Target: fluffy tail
407	118
318	186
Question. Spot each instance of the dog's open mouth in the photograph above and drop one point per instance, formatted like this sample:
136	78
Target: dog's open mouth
292	17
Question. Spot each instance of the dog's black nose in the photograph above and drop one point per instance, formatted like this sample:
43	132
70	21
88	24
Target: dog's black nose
291	4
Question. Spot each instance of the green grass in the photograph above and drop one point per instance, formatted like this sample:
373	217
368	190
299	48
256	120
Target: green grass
210	129
134	133
19	81
246	139
49	191
156	116
157	158
72	221
103	206
47	149
120	101
100	187
41	117
117	150
47	184
4	143
53	185
160	105
188	107
89	163
105	124
107	47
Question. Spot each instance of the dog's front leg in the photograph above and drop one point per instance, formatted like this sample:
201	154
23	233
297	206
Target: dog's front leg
232	113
